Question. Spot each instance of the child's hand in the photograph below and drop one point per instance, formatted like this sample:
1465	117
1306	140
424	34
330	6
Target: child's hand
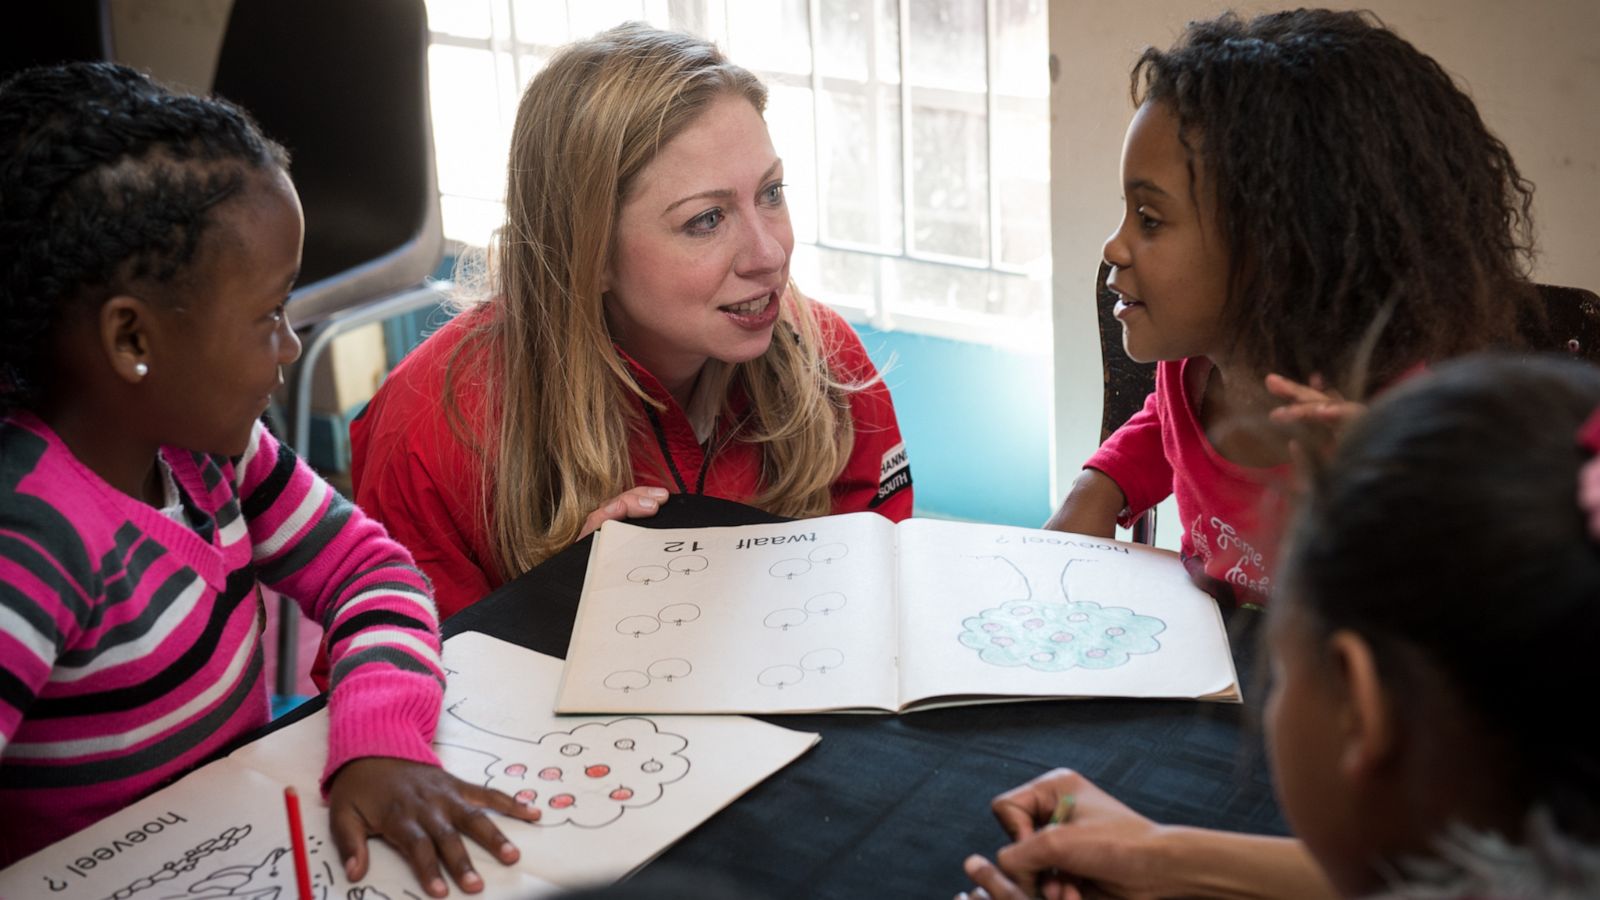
1311	404
422	811
635	503
1103	842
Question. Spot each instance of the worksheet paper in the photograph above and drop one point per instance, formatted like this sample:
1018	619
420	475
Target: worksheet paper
614	792
854	612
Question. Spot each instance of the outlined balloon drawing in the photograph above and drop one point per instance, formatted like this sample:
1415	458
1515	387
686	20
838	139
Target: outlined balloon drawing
780	676
784	619
648	574
666	670
678	613
824	604
827	553
638	626
789	568
820	661
669	669
688	565
627	681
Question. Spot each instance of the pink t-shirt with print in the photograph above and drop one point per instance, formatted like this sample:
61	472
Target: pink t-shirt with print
1232	515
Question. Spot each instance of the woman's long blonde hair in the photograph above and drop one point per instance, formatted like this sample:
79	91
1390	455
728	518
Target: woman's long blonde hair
567	405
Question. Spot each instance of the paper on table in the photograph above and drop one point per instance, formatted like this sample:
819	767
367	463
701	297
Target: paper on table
996	610
788	617
614	791
852	612
219	833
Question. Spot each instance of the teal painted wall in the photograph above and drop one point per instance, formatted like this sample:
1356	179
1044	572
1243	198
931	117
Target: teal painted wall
976	420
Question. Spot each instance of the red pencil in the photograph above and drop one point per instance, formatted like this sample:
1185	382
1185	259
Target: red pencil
297	838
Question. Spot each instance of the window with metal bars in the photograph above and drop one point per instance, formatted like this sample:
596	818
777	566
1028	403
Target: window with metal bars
915	137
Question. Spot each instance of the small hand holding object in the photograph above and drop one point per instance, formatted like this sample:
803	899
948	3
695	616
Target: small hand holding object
422	811
1060	846
634	503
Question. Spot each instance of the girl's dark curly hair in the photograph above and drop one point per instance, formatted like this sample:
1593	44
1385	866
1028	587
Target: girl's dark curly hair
1359	192
108	182
1447	531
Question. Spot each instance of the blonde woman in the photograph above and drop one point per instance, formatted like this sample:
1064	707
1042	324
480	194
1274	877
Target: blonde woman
641	336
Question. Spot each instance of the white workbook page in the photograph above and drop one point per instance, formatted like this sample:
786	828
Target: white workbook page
993	610
788	617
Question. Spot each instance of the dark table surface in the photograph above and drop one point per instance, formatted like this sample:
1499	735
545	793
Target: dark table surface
889	806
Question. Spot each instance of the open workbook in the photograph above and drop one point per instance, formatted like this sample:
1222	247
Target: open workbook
614	792
854	612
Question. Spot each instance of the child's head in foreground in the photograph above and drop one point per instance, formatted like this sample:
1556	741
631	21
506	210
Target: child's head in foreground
148	241
1292	179
1433	639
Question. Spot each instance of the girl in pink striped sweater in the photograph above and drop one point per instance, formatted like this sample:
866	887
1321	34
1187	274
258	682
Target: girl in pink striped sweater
147	244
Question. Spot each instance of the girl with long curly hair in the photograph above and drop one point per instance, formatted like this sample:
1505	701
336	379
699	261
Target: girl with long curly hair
1312	207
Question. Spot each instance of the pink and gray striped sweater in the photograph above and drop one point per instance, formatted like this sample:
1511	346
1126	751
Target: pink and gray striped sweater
130	645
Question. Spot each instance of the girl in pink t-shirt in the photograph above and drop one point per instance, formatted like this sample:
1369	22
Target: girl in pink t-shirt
1308	195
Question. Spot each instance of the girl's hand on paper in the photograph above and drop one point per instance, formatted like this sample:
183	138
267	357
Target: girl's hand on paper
422	811
1105	843
635	503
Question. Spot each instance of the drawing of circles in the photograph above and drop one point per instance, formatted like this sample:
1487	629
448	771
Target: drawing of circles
639	625
1115	631
651	766
621	794
780	676
648	574
827	553
667	670
688	564
822	660
679	613
784	619
624	744
789	568
1020	611
1061	637
571	749
627	680
833	601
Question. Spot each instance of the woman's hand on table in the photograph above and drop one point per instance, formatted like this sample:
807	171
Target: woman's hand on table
422	811
1103	844
634	503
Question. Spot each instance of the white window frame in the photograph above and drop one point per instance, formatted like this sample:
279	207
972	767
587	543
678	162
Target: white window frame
887	307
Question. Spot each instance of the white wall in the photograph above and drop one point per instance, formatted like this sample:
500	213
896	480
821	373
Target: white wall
1532	67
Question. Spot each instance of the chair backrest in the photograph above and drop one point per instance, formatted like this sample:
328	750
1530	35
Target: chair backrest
344	86
1128	383
1572	321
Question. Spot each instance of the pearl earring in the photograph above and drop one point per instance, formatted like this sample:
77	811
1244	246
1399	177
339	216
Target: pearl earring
141	370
